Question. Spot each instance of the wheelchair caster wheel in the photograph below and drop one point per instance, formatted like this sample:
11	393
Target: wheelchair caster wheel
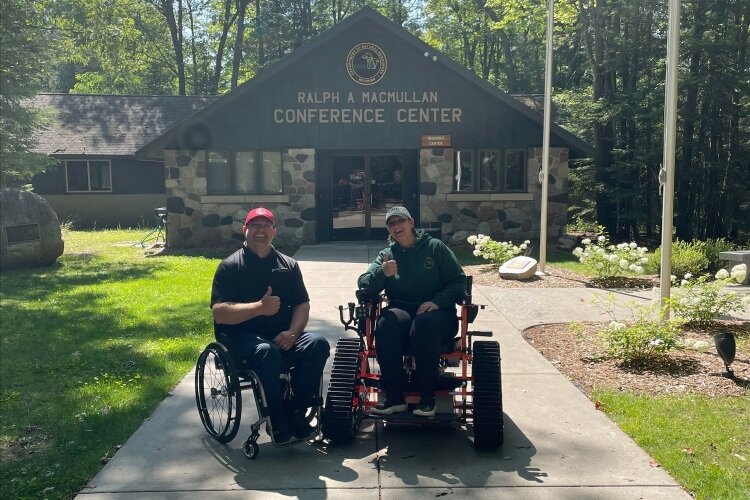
250	448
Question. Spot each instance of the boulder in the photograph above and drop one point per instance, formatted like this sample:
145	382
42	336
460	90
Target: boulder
518	268
31	234
567	242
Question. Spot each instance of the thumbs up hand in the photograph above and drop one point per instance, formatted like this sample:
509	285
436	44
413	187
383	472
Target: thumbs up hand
269	304
390	267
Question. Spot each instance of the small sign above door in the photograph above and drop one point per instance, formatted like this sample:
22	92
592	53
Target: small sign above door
436	141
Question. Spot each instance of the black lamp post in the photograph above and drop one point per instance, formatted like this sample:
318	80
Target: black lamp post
726	348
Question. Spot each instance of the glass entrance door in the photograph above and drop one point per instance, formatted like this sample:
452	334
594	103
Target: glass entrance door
364	187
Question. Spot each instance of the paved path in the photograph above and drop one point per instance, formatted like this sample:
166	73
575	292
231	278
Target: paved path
556	444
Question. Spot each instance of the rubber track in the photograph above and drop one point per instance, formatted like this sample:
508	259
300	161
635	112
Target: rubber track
487	396
338	418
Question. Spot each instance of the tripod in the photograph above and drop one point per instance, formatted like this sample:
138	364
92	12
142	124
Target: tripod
159	233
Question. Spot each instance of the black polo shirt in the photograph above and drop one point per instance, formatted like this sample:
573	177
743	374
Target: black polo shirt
244	277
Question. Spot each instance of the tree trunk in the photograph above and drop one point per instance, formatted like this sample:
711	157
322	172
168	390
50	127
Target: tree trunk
175	32
238	42
228	20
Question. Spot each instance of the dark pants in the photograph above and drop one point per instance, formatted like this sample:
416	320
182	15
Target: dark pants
400	332
306	358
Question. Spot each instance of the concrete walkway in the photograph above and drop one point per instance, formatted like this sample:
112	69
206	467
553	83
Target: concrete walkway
557	445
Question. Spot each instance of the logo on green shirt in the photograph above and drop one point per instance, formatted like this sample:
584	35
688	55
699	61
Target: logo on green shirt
429	263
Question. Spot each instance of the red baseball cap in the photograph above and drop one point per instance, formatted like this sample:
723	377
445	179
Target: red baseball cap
259	212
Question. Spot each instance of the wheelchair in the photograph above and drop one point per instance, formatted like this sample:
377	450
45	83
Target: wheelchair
469	387
220	378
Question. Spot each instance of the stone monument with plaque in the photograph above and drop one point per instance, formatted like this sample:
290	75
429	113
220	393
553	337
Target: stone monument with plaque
31	234
518	268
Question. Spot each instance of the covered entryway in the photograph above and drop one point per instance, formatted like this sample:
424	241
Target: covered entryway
356	189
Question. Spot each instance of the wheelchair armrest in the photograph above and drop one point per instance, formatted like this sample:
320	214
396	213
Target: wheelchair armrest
365	297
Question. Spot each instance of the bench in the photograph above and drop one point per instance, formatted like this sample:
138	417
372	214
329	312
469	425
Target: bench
738	257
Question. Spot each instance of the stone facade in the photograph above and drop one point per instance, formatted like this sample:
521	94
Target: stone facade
196	218
506	216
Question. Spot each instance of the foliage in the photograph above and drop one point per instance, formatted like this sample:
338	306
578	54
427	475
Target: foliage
700	441
23	49
606	260
687	258
113	331
700	301
496	251
645	336
714	246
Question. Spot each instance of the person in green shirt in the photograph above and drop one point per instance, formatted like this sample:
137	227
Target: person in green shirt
423	282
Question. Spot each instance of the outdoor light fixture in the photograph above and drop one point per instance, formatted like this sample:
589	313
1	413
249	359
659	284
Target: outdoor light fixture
726	348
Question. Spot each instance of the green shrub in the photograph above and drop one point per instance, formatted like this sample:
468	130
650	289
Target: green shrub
645	336
700	301
498	252
713	248
687	258
605	260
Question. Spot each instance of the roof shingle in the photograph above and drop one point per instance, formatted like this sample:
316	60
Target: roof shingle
112	125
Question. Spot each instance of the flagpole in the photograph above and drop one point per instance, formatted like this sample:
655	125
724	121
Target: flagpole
670	139
545	141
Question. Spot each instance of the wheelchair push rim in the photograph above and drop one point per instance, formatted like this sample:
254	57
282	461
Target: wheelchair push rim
217	393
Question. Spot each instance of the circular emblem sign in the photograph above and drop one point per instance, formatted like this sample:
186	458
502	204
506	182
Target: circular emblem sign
366	63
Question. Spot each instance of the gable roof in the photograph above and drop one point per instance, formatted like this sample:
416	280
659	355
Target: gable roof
113	125
154	149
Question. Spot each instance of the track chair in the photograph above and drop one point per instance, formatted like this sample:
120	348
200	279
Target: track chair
469	388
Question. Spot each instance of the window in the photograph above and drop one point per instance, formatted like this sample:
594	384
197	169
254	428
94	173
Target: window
515	170
464	162
490	171
88	176
244	172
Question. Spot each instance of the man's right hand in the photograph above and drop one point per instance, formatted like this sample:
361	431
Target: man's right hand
269	304
390	268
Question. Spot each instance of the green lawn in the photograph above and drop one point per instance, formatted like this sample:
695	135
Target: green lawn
704	443
89	347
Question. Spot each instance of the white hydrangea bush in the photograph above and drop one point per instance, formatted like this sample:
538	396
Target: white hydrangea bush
606	260
700	301
498	252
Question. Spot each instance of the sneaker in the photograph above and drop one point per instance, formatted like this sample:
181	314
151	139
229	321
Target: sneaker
388	407
302	428
283	436
282	433
426	409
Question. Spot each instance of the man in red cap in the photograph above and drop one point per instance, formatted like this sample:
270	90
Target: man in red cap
259	299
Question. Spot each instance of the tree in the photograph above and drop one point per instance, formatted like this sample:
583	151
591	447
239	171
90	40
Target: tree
23	50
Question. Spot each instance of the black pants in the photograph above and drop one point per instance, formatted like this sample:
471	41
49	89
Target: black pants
306	358
401	332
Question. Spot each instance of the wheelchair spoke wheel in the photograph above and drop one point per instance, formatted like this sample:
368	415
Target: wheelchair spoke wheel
217	393
340	418
488	395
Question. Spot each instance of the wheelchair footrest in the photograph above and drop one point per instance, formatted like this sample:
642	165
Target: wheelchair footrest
480	334
410	418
